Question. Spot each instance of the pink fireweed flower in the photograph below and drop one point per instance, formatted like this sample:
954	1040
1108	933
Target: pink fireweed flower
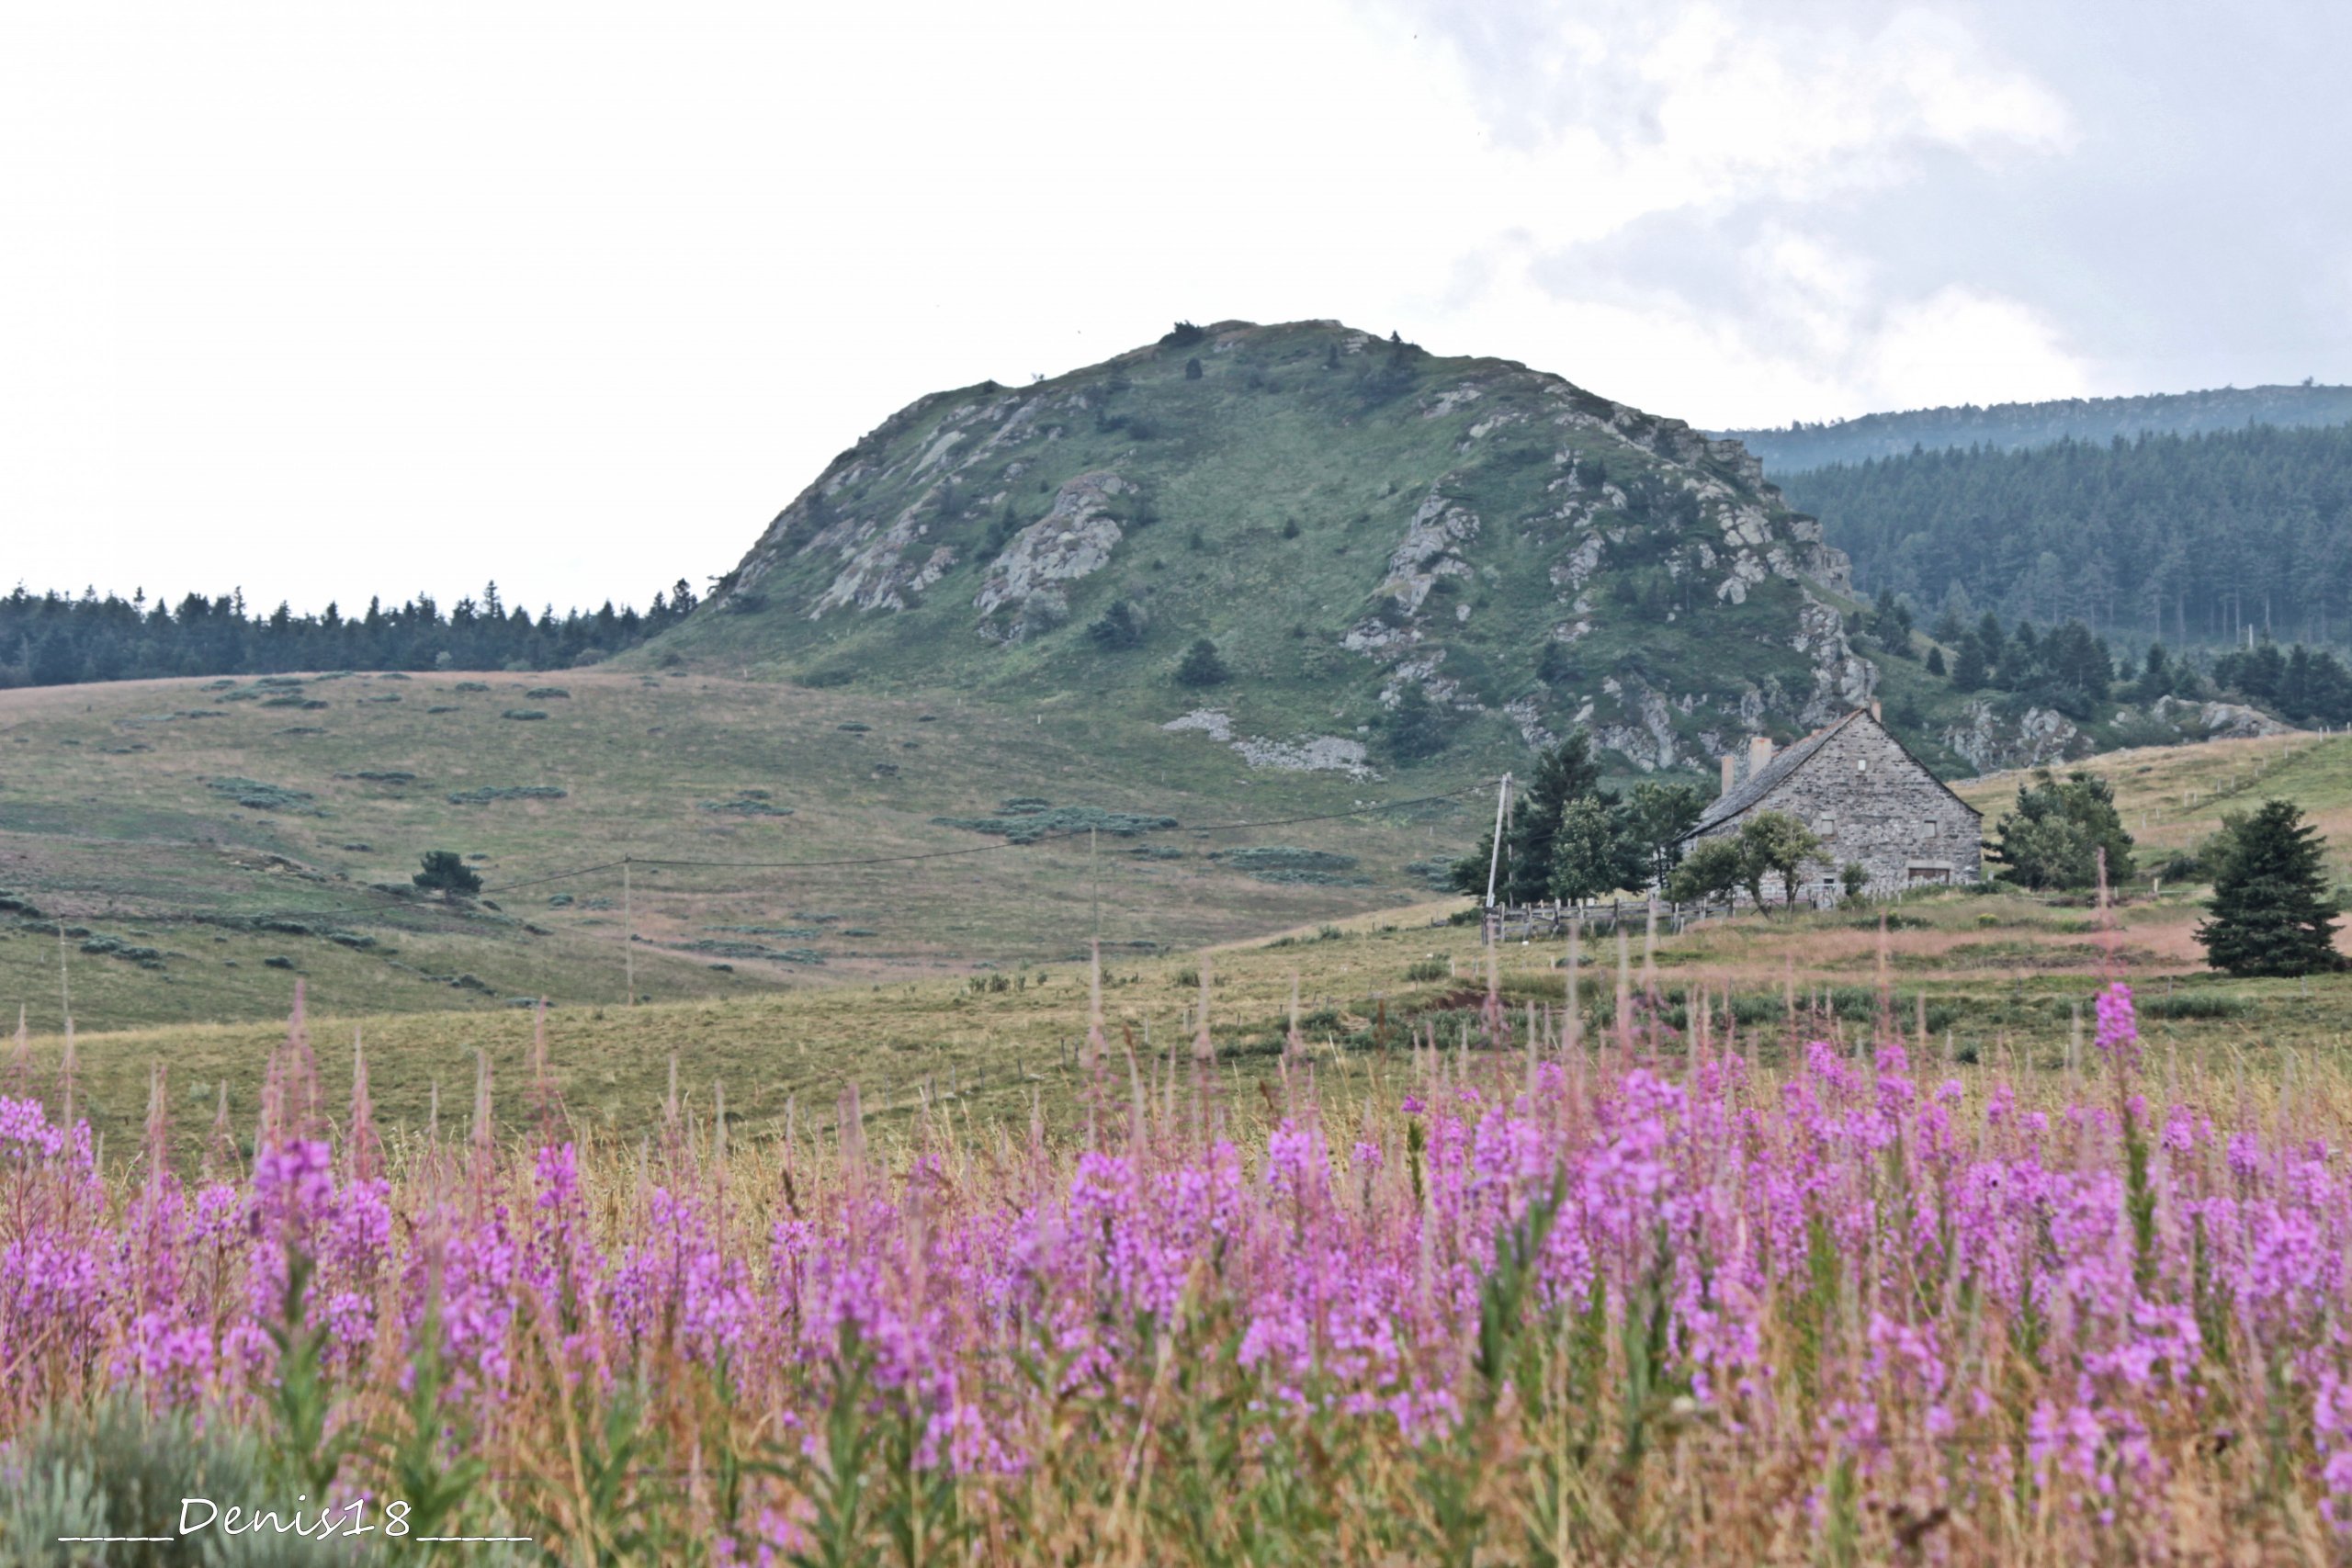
2119	1026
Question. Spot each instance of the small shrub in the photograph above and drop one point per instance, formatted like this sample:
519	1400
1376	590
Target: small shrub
525	715
258	796
2185	1004
1201	666
1288	864
471	686
488	793
1421	972
546	694
1028	826
277	960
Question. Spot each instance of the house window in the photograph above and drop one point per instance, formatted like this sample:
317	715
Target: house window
1928	830
1825	824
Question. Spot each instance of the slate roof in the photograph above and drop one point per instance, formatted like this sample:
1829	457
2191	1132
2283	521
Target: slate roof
1756	786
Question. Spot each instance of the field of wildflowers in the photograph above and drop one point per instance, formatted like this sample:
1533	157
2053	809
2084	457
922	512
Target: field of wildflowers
1549	1296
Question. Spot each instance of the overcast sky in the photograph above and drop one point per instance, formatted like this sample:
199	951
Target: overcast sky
331	300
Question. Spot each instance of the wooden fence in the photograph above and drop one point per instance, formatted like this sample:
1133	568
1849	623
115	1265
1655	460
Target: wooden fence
1527	923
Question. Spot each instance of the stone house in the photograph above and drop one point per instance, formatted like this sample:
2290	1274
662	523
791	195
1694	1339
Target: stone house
1854	783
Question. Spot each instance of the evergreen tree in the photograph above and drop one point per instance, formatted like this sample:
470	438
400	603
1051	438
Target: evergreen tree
445	872
1656	818
1417	729
1204	666
2271	913
1935	661
1969	671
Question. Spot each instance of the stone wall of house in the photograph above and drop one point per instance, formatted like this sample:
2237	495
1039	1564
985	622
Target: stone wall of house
1873	803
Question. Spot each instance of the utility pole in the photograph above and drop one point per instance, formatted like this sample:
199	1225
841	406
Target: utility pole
1495	855
1094	870
628	938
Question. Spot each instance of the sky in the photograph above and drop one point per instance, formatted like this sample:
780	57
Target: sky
326	301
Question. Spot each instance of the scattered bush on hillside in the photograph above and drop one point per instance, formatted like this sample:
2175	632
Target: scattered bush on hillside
394	777
1027	827
1192	370
1119	627
1184	335
744	806
445	872
525	715
488	793
722	948
471	686
1201	666
546	694
259	797
1417	727
1287	863
102	945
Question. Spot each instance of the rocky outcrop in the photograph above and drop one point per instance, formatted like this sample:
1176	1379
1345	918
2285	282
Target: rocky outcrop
885	569
1303	754
2211	721
1842	680
1071	541
2036	738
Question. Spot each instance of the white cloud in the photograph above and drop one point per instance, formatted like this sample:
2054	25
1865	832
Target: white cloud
1959	345
330	301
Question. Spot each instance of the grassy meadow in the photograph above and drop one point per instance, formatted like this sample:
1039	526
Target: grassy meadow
209	842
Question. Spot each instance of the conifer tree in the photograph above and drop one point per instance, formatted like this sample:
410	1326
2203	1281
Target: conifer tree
2271	913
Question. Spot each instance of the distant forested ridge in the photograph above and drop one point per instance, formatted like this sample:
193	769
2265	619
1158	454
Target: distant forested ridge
2193	539
2014	426
52	639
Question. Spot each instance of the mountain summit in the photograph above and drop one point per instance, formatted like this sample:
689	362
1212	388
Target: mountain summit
1349	524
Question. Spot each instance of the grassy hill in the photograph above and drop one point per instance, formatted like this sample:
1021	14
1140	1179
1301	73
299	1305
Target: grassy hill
206	843
2174	797
1345	519
2010	427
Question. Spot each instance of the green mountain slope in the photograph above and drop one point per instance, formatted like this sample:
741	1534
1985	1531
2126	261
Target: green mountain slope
2009	426
1346	519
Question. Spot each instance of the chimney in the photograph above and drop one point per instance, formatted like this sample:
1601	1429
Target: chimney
1759	754
1875	714
1730	761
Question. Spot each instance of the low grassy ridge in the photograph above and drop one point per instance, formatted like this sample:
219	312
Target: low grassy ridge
1998	979
206	843
2174	797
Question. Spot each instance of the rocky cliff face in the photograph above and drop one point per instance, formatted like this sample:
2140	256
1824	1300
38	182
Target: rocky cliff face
1346	518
